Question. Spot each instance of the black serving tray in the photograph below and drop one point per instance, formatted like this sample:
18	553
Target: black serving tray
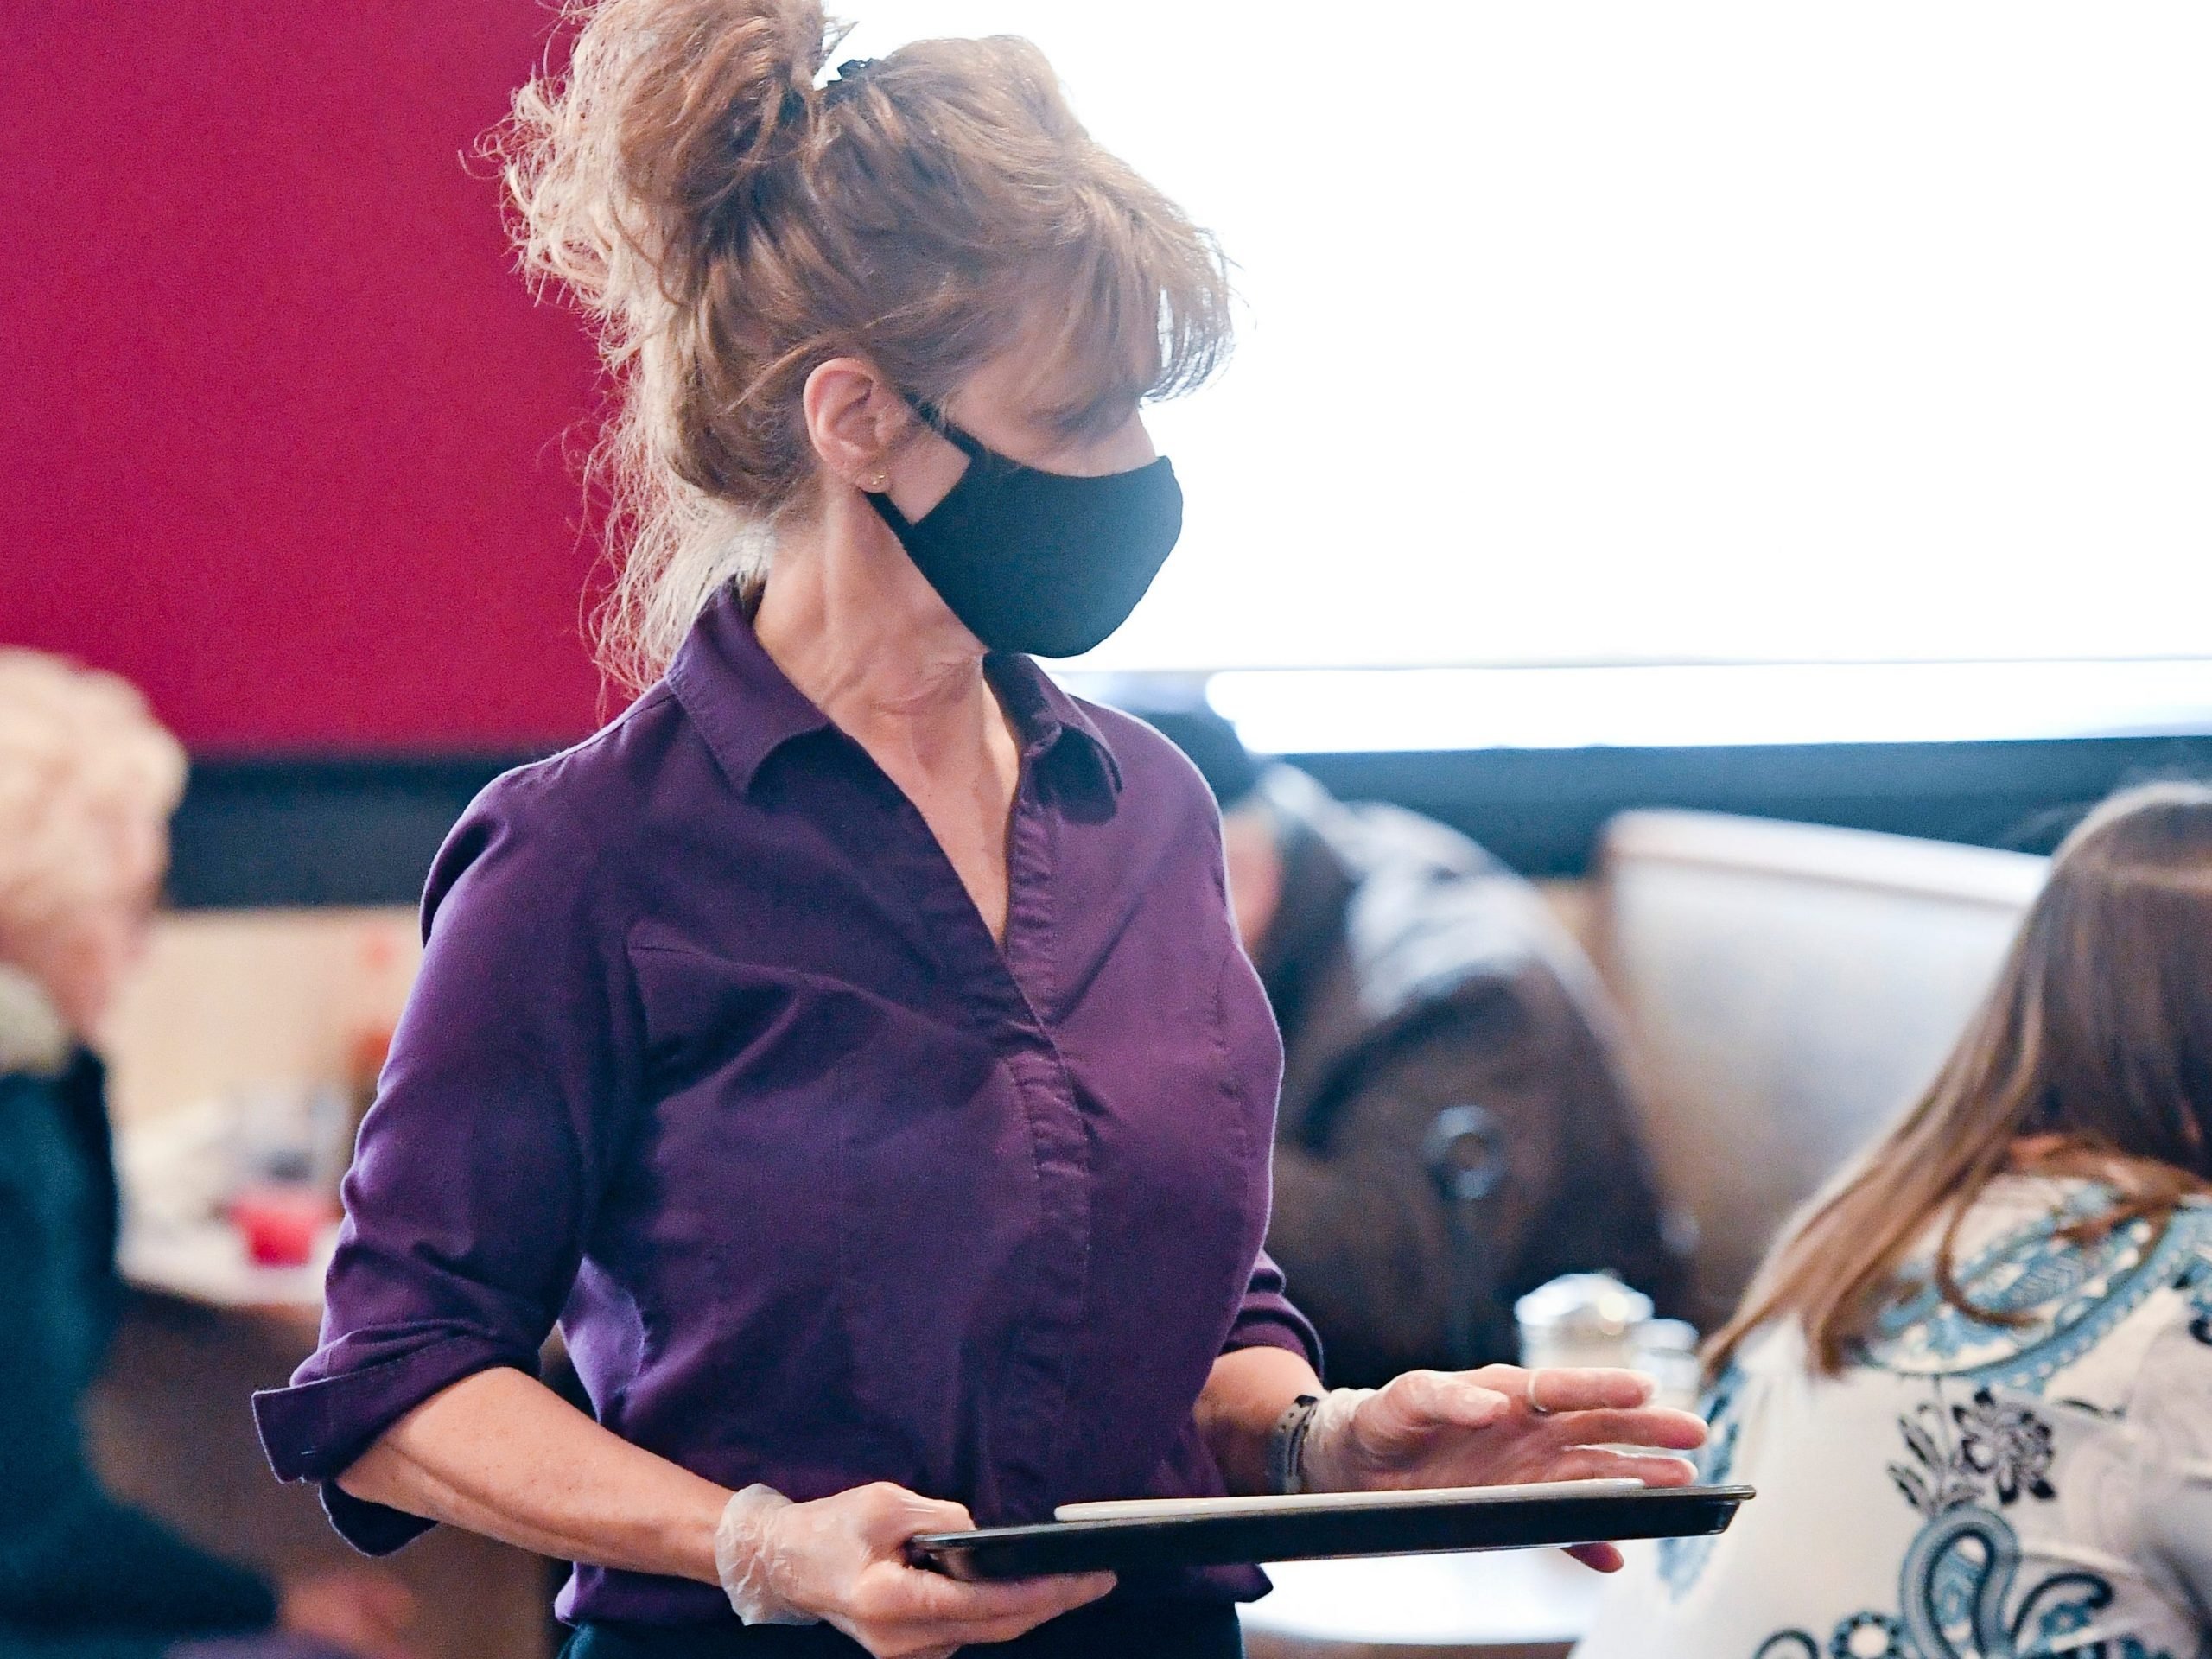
1350	1527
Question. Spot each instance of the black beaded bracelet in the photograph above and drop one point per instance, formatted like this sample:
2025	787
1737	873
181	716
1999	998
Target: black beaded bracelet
1286	1446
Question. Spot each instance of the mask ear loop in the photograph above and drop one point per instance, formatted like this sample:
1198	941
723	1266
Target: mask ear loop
941	423
877	490
978	452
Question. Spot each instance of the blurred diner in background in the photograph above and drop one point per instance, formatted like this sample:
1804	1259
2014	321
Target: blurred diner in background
1455	1128
1679	616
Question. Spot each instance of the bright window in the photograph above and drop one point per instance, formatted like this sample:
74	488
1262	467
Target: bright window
1609	333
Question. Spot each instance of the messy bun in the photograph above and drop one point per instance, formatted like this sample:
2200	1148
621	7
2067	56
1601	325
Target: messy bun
730	224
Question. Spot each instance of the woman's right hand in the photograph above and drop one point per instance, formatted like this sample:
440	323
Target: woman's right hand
843	1560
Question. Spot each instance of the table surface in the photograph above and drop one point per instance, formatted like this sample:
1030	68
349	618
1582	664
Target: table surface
1496	1598
175	1173
207	1262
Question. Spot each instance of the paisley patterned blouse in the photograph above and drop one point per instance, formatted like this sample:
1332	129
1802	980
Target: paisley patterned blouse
1968	1489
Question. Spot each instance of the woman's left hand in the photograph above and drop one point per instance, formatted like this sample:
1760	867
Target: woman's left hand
1500	1426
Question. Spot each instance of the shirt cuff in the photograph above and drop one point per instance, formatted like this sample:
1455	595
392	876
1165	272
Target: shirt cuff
317	1429
373	1528
1283	1327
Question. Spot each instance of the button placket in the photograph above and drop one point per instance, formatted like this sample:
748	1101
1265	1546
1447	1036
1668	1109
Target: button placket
1014	1019
1060	1142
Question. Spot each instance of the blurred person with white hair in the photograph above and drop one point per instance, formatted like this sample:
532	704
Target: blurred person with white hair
87	782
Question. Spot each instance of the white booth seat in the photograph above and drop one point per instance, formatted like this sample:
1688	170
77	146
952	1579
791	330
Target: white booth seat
1788	988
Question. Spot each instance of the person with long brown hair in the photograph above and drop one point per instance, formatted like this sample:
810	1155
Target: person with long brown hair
1973	1381
849	1046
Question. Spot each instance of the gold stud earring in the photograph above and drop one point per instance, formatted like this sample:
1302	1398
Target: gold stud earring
880	483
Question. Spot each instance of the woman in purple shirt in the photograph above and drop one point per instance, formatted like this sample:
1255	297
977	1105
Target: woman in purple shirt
849	1046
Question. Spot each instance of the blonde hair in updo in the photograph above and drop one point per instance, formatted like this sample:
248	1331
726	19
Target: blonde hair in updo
729	225
88	780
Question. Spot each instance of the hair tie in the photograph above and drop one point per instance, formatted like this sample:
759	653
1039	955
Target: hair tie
850	74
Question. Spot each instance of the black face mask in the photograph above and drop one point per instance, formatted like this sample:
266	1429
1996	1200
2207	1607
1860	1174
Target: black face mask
1039	562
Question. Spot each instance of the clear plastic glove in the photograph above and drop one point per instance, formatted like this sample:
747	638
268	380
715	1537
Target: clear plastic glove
1500	1426
841	1561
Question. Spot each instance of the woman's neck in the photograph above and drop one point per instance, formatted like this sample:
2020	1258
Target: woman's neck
854	625
858	630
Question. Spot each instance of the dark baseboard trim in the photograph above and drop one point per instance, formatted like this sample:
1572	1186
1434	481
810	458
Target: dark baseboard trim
293	829
318	830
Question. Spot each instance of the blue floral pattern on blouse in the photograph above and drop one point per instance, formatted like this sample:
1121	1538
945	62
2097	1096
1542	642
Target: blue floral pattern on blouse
1978	1450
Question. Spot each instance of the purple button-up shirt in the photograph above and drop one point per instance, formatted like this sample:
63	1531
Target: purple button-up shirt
713	1059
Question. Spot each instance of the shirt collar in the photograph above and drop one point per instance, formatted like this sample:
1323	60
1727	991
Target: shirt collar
745	709
1046	716
734	694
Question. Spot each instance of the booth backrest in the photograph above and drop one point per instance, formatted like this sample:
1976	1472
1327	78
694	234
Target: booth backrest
1788	989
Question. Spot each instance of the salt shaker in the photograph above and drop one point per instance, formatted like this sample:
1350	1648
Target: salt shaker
1582	1319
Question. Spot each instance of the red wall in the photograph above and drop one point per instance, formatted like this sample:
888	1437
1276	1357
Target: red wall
290	444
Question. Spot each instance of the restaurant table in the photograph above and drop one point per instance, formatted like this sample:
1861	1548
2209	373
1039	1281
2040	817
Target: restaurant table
1521	1604
207	1264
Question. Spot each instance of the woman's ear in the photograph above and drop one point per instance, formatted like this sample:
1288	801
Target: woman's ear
853	418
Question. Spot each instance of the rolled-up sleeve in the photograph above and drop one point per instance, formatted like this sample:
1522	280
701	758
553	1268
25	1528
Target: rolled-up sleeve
478	1169
1266	1318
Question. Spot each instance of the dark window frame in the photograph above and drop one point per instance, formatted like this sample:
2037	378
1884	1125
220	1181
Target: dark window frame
282	830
